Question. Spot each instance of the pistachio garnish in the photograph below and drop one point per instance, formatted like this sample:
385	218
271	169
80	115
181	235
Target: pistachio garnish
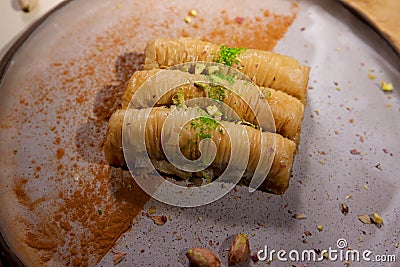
365	219
300	216
344	208
118	257
376	219
202	257
159	220
240	250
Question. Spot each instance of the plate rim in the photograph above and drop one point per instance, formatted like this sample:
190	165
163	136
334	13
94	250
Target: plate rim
7	256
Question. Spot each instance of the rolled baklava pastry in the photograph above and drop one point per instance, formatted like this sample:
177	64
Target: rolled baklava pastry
287	111
156	121
265	68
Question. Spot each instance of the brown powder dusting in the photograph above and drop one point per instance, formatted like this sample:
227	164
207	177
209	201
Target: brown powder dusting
60	153
23	196
19	190
115	217
260	32
86	88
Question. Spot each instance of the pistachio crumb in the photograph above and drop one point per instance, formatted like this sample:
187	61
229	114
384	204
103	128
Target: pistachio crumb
364	218
387	86
118	257
378	220
193	13
159	220
344	208
300	216
151	210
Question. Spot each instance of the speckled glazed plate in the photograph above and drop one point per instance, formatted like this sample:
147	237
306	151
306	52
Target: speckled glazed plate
61	204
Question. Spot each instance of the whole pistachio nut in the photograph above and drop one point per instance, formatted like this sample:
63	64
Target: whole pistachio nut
240	250
202	257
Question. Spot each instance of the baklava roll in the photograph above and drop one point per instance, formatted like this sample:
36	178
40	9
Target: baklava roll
280	150
265	68
287	111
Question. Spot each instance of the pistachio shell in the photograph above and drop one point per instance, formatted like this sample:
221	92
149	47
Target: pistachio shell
240	250
202	257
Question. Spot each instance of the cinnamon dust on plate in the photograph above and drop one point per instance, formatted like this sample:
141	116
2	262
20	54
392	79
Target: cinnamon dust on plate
73	205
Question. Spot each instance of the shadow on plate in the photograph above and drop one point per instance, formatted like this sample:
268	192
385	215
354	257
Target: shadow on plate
90	136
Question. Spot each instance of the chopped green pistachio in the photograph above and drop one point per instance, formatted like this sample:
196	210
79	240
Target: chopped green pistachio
185	68
200	85
211	109
212	69
199	68
216	79
207	177
219	77
99	212
243	122
179	100
205	126
228	55
214	111
216	92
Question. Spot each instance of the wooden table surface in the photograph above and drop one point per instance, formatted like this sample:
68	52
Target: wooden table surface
382	15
